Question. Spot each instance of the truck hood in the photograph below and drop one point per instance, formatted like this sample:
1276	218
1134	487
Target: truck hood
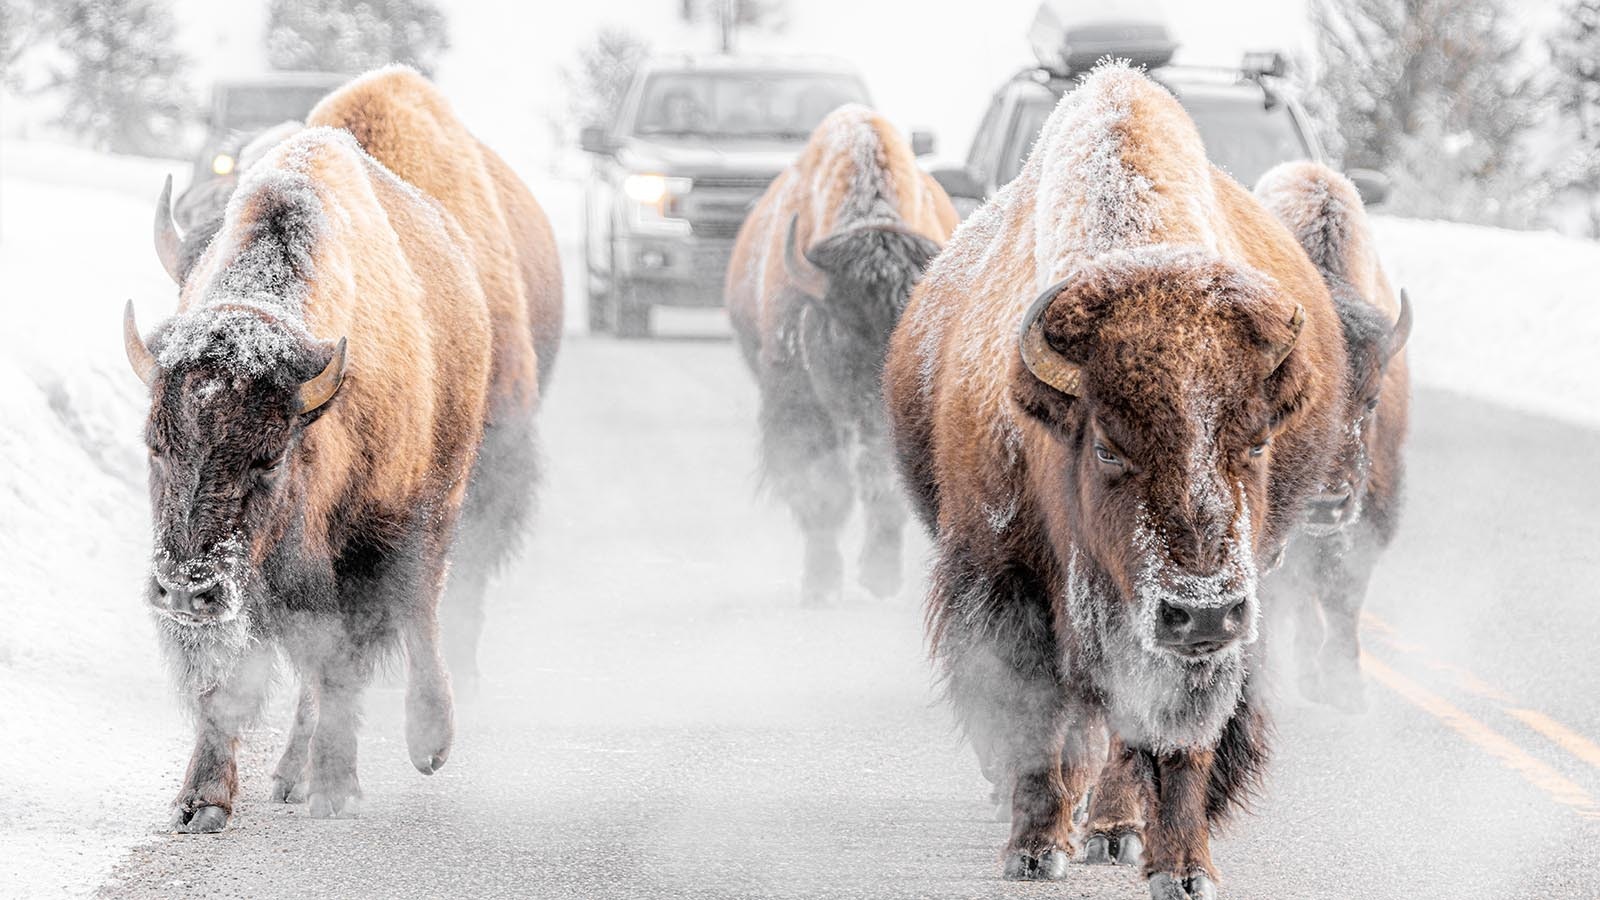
691	156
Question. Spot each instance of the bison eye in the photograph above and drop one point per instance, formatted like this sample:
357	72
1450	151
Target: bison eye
1260	448
268	465
1371	404
1105	455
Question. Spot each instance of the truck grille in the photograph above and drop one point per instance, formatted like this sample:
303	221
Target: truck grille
746	184
716	228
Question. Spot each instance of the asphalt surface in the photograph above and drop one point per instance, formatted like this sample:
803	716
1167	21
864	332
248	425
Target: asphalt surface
660	719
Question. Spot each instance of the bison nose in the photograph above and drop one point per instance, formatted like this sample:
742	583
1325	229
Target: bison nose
1199	629
193	601
1332	507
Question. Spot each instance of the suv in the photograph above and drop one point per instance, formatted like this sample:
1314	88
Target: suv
241	109
695	144
1247	121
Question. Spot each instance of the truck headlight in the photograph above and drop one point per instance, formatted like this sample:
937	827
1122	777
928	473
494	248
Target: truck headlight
222	164
651	189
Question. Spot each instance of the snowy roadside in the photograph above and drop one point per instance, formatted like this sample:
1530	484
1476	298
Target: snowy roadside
94	740
1512	317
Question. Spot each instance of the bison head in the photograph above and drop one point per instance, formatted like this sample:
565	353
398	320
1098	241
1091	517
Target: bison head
1160	374
856	283
1372	342
227	458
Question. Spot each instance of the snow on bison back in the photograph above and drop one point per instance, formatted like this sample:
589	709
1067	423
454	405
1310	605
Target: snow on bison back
1111	396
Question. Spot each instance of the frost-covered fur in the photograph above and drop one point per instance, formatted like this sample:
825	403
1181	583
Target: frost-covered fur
1067	523
820	272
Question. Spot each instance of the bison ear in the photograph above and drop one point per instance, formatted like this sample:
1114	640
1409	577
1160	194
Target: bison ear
315	394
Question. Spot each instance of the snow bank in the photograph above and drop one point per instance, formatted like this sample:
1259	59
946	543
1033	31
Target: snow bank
94	741
1509	316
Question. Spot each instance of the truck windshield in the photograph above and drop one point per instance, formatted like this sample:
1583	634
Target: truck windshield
782	105
257	106
1242	137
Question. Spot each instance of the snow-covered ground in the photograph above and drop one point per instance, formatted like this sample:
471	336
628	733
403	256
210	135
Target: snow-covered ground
84	705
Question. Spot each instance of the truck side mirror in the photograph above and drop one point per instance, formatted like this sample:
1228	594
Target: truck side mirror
958	182
1373	186
923	143
594	139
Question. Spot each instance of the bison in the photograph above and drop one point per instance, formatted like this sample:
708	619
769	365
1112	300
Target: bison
1111	396
316	406
1329	562
820	272
406	124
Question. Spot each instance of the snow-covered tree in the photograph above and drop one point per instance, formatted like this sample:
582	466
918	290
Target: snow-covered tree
21	22
729	16
1432	92
1575	76
120	73
595	87
355	35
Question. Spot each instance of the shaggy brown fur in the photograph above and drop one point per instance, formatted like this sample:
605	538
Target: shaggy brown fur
405	123
1324	578
821	270
322	530
1080	535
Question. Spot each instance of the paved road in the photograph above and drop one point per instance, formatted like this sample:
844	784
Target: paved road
660	719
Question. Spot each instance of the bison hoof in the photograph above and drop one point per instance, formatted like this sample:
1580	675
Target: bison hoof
1051	865
200	820
429	733
1122	849
333	806
1197	886
286	790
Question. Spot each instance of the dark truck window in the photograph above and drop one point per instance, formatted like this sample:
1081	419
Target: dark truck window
248	108
1241	135
741	104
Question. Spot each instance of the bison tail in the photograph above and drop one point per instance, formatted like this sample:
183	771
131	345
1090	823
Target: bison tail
1240	761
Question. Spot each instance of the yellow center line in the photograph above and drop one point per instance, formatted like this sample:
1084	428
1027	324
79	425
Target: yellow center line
1564	737
1541	775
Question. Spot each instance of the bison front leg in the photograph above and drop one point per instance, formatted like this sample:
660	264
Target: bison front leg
1179	865
430	716
1116	813
289	778
1343	591
211	782
340	680
803	459
880	565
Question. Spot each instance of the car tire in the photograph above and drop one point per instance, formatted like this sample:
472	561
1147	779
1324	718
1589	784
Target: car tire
633	320
600	318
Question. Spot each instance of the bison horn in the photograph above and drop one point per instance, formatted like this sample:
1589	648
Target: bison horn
167	240
1280	352
802	272
321	388
1042	360
1402	326
139	355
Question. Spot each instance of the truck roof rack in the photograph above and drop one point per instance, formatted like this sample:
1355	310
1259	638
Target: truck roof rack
1068	38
